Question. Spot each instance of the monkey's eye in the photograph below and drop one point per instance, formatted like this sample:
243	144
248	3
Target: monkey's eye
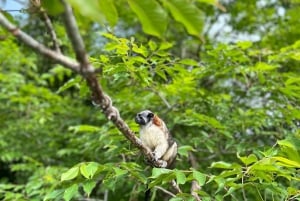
150	115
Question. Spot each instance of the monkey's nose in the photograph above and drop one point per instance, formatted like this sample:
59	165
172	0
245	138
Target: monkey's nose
137	119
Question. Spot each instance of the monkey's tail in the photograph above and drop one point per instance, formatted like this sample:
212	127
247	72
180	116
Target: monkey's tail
147	193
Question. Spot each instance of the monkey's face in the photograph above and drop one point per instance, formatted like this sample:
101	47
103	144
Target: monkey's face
144	117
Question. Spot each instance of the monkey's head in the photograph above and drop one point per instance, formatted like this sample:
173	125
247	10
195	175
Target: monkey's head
144	117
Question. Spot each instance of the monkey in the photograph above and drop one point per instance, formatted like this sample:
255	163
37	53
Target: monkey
155	135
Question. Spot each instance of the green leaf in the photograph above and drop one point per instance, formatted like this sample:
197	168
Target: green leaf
158	171
286	162
72	82
152	45
289	149
247	160
84	128
190	62
88	170
108	8
119	171
70	174
180	177
200	177
209	1
186	13
88	186
292	80
230	191
244	44
261	66
165	45
70	192
183	150
151	15
222	165
53	195
53	7
89	9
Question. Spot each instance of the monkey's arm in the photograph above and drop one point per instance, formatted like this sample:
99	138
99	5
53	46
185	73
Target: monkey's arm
160	149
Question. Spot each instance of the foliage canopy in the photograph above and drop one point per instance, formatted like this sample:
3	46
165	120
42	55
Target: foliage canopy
223	75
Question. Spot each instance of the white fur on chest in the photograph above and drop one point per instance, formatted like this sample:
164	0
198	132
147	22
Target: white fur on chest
152	136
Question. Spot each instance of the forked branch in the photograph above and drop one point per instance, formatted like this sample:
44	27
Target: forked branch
83	67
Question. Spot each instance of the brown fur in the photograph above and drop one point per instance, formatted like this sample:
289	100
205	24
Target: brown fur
157	121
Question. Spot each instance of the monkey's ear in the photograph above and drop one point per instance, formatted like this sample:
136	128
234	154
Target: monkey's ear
150	115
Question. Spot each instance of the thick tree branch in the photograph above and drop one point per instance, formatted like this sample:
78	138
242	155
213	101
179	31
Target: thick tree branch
74	35
99	97
40	48
86	70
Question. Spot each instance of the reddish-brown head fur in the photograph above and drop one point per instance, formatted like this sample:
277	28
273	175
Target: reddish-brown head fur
157	121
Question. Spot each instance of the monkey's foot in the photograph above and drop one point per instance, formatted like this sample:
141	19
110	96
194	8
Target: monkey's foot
163	163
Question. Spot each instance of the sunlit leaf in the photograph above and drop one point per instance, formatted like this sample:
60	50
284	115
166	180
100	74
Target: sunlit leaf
200	177
247	160
89	9
180	177
186	13
222	165
287	162
70	174
107	7
151	15
88	170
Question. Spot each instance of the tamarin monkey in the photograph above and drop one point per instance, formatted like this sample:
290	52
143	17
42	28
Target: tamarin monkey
155	135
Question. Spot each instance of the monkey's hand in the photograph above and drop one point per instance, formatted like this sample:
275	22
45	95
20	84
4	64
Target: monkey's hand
157	157
163	164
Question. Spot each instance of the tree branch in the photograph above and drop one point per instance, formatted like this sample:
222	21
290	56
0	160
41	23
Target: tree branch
40	48
87	71
74	35
195	185
51	31
165	191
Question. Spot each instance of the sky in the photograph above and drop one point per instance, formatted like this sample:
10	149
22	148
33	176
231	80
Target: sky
10	5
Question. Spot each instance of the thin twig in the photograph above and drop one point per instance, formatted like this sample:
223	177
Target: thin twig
161	97
243	189
165	191
176	186
51	31
195	185
105	195
13	10
89	199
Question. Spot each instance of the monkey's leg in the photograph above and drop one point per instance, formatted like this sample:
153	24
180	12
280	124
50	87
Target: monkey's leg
160	150
170	154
